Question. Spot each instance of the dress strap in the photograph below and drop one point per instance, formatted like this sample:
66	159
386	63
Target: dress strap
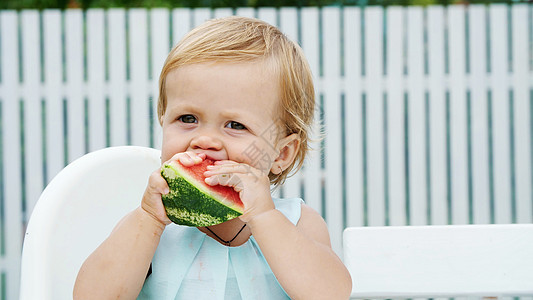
290	207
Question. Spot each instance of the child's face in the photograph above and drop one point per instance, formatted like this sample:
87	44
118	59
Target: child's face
227	110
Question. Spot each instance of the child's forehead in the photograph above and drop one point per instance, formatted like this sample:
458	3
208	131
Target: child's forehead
238	85
247	76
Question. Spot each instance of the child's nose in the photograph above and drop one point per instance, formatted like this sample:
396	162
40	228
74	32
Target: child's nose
206	142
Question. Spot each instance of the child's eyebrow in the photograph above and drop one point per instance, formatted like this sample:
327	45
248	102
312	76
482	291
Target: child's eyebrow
240	117
184	107
231	115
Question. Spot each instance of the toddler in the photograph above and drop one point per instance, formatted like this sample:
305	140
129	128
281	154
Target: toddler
237	91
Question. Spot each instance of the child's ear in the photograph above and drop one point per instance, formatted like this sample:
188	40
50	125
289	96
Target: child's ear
288	149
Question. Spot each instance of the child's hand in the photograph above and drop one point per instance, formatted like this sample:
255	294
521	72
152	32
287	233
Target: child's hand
252	185
158	186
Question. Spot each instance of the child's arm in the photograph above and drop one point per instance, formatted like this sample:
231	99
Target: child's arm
300	256
118	267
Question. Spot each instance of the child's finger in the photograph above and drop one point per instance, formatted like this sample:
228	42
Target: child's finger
151	201
232	180
189	158
231	168
227	165
157	183
224	162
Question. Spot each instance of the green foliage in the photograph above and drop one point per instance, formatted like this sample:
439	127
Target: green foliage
39	4
63	4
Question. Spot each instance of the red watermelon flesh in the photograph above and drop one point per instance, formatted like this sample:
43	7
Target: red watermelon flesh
192	202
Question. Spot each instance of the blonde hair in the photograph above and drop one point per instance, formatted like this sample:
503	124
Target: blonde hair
240	39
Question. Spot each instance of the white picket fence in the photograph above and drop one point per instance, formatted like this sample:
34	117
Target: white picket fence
427	111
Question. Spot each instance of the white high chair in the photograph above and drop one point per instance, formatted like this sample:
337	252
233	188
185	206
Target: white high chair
440	261
76	212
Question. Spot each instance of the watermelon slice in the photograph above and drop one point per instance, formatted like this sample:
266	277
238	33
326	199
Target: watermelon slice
192	202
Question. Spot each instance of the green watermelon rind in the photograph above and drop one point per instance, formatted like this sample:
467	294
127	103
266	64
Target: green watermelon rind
192	205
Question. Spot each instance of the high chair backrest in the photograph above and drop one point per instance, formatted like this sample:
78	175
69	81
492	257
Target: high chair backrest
76	212
440	261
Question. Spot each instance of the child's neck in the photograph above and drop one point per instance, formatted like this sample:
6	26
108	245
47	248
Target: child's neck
232	232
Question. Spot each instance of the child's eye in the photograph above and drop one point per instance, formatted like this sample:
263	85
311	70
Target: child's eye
187	119
235	125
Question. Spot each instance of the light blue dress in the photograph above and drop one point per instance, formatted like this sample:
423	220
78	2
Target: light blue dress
189	265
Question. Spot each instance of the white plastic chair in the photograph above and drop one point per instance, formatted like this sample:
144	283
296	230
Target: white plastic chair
76	212
440	261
